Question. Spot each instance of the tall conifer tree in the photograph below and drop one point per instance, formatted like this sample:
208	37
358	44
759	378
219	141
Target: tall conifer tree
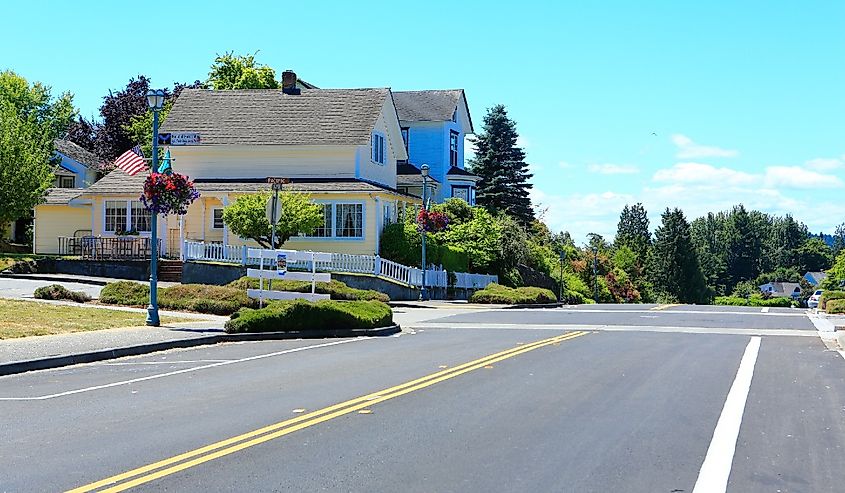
504	185
675	270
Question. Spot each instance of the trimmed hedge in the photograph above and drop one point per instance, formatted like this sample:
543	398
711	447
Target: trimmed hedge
829	296
498	294
755	300
125	293
836	306
59	292
299	315
336	289
217	300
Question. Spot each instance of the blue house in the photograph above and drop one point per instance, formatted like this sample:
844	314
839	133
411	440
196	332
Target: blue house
77	168
434	124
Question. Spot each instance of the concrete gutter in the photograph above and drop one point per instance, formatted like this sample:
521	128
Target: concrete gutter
16	367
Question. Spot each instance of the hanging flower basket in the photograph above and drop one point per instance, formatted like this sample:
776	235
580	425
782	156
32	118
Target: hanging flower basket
432	221
168	193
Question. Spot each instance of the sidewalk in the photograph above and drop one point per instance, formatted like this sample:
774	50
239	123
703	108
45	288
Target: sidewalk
60	278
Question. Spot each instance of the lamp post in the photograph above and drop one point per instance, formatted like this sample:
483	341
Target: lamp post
424	171
562	260
595	273
155	101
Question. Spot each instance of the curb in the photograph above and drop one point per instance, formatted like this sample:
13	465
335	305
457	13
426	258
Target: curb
37	277
17	367
535	305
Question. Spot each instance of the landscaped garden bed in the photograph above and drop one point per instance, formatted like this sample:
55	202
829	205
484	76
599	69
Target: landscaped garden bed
304	316
503	295
336	289
754	300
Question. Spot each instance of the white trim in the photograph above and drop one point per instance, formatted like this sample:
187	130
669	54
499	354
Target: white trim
334	236
213	209
378	133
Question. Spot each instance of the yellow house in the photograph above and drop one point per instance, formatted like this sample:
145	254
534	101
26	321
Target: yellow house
339	145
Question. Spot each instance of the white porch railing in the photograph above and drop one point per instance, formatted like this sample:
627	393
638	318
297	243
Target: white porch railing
342	262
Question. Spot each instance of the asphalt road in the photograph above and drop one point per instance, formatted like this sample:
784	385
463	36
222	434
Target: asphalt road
25	288
652	408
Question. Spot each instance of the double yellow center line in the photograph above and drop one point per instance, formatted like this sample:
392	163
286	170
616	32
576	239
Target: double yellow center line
222	448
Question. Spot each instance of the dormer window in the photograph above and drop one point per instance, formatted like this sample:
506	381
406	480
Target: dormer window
378	148
453	148
455	115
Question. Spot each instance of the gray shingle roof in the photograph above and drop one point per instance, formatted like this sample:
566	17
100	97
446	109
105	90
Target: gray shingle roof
427	106
118	182
77	153
59	196
270	117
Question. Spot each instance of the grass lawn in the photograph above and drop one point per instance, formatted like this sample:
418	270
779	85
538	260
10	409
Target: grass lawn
29	318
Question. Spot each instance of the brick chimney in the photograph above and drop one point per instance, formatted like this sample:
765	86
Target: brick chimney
289	82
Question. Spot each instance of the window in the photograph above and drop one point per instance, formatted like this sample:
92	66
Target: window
217	218
350	220
387	217
141	218
378	148
406	132
455	115
115	217
325	230
65	181
461	193
453	148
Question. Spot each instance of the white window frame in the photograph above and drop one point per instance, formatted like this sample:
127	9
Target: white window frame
128	211
213	210
330	207
334	230
378	148
59	179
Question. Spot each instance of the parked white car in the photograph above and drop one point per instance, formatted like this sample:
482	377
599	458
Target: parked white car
813	302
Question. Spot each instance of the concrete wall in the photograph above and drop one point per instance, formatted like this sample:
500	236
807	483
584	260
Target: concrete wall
135	270
206	273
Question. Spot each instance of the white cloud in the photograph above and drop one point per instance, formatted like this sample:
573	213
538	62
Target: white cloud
523	142
581	214
687	149
797	177
825	164
565	165
701	173
613	169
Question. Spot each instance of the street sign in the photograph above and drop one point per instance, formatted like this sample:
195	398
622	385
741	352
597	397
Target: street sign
278	181
269	210
179	139
281	264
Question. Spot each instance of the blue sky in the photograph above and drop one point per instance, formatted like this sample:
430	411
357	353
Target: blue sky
699	105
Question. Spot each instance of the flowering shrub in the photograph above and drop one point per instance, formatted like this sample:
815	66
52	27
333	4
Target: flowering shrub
168	193
432	221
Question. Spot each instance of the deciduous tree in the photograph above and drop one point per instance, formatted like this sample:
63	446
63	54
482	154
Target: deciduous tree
231	71
247	217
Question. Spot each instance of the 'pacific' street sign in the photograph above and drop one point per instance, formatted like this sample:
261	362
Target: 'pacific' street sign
179	139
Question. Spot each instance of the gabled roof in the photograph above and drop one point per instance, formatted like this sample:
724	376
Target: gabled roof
271	117
428	106
55	196
119	183
77	153
818	276
409	175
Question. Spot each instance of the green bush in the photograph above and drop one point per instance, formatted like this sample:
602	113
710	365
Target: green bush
217	300
59	292
829	296
125	293
336	289
498	294
758	300
730	301
325	315
836	306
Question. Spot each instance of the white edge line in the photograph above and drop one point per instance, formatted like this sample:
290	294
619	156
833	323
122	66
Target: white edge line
716	469
178	372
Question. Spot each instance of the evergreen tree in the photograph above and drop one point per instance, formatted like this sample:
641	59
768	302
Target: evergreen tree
839	239
708	235
743	244
504	185
675	270
787	237
632	231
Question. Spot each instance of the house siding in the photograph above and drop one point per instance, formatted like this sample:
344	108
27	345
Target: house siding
84	175
53	221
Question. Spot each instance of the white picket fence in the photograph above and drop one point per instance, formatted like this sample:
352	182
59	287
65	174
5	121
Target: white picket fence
341	262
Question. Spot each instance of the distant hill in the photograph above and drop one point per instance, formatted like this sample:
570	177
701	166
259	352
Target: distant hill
826	237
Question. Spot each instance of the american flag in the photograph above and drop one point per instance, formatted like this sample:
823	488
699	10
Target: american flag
131	161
